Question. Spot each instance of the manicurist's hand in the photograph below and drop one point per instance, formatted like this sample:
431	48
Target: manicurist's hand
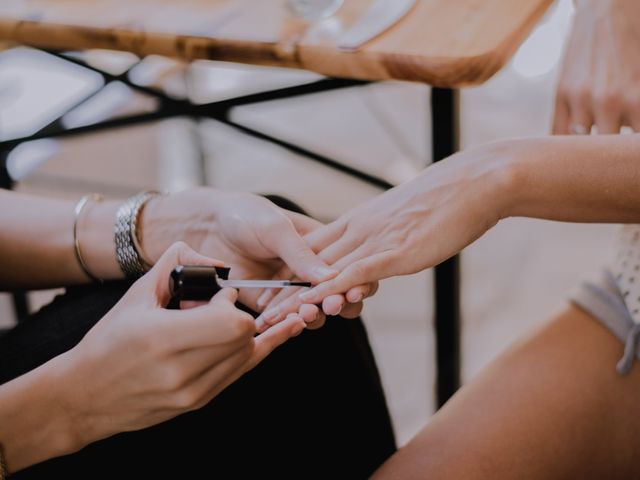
600	81
140	365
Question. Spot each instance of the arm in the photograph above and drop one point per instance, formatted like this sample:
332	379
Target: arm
431	218
599	79
250	233
125	375
36	241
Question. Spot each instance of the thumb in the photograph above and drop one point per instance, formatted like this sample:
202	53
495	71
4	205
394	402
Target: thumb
156	280
300	258
229	295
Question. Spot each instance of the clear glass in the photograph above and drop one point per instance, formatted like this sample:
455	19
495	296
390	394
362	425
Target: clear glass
314	10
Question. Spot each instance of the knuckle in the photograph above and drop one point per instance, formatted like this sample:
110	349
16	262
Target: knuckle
633	104
173	378
247	351
186	399
150	345
563	92
243	326
360	270
608	100
178	247
582	95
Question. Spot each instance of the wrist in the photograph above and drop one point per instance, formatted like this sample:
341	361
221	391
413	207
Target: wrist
525	174
96	237
496	177
190	216
36	422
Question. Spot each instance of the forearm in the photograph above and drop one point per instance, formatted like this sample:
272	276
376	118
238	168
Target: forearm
34	423
588	179
36	241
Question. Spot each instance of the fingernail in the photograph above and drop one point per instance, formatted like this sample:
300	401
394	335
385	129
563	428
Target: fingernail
337	311
262	299
358	298
259	323
270	314
324	272
307	296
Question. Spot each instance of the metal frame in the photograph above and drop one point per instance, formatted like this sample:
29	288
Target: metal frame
444	111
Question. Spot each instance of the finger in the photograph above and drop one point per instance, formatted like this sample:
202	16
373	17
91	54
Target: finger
265	298
309	313
155	283
283	304
300	258
318	323
280	298
321	238
303	224
370	269
580	116
187	304
339	249
633	118
360	292
561	116
217	323
211	382
190	364
267	342
333	305
352	310
228	295
267	295
608	114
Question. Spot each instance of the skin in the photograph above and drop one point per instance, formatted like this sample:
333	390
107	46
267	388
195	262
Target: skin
453	203
164	363
552	407
251	235
600	79
153	368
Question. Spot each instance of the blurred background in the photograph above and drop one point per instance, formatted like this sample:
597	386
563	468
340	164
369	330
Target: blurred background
514	278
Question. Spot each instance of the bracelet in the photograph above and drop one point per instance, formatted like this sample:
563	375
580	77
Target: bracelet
129	252
4	471
76	242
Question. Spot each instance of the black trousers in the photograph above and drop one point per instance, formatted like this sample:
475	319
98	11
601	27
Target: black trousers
314	409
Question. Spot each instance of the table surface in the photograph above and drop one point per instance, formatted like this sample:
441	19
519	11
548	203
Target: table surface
448	43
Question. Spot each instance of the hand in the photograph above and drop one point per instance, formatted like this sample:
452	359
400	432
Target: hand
600	81
143	364
253	236
412	227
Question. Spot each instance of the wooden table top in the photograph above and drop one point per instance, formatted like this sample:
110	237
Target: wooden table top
449	43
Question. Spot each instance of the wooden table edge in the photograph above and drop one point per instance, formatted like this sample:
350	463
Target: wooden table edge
451	72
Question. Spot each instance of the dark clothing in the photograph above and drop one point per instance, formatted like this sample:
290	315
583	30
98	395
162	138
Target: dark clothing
314	409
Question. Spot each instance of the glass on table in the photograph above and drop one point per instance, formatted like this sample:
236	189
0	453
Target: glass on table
314	10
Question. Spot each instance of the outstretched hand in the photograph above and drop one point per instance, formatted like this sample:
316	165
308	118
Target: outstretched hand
410	228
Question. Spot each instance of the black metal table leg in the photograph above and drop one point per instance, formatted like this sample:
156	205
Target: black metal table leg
445	141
